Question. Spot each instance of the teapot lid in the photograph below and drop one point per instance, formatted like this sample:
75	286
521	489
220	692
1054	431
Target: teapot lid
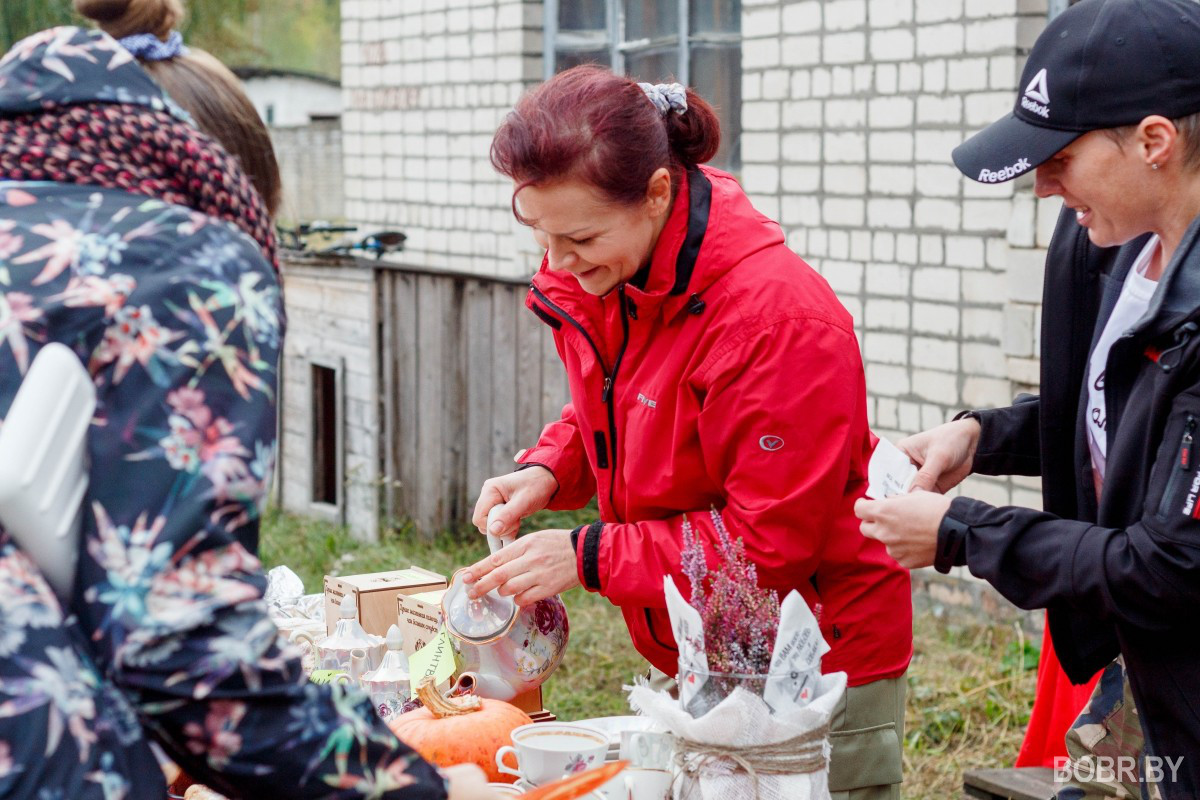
488	617
476	620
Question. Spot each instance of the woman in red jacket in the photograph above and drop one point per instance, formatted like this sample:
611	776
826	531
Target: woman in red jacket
709	366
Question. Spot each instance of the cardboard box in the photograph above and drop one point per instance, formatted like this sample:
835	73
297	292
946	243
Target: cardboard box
375	595
419	616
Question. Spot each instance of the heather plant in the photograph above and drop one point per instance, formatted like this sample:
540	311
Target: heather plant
740	619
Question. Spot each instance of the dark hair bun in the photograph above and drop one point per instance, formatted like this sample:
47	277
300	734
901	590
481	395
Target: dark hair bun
695	135
120	18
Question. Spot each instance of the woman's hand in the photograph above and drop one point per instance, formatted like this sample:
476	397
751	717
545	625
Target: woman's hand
907	525
944	454
523	493
468	782
535	566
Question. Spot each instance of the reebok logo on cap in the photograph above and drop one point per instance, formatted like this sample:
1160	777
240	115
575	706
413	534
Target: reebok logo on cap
1037	97
1006	174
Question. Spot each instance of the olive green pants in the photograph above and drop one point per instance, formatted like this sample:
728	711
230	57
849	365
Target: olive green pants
865	734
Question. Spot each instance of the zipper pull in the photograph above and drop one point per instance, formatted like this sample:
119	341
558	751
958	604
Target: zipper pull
607	390
1185	446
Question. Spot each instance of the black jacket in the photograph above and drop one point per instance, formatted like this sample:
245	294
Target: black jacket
1123	575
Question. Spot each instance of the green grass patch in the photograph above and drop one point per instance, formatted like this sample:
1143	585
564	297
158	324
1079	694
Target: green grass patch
970	687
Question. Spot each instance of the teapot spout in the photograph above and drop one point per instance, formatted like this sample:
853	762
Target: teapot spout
484	685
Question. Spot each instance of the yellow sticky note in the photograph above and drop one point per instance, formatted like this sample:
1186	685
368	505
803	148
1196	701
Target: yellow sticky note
436	658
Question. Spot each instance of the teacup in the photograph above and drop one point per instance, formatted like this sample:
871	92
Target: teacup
506	789
547	751
636	783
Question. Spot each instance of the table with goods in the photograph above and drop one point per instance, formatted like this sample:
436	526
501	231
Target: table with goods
459	679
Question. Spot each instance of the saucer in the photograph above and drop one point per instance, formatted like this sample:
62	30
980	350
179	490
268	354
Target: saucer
613	726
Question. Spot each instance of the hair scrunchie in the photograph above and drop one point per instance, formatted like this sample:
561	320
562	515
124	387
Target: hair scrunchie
148	47
667	97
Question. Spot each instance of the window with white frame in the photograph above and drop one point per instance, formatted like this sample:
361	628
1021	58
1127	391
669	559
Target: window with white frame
695	42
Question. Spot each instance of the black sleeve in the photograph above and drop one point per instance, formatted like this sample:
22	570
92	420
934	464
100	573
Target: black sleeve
1145	575
1008	439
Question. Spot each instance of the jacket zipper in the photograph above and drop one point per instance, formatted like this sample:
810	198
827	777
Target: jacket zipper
1184	465
610	378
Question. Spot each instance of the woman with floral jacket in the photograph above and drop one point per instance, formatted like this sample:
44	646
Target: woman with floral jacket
124	236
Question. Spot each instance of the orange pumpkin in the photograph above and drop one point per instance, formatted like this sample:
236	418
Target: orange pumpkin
459	730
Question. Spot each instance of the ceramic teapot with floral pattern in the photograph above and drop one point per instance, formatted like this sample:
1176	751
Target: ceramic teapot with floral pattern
504	650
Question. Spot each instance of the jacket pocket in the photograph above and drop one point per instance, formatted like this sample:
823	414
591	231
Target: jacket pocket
1183	480
865	736
865	757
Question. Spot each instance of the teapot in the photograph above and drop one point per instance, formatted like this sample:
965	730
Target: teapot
336	651
388	685
504	650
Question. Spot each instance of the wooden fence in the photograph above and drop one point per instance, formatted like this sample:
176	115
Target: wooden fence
467	377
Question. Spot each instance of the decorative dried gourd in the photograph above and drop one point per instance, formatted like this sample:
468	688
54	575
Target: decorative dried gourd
459	730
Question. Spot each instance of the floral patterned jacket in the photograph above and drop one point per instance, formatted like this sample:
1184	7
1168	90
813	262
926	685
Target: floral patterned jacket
178	318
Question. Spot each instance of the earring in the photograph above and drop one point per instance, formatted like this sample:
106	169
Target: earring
1154	166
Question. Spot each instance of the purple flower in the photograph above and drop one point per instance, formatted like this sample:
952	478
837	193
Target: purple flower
740	619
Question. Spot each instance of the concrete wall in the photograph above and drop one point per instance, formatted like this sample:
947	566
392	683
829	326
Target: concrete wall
331	323
310	165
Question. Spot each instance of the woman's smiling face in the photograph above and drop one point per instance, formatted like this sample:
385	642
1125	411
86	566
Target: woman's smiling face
601	243
1107	182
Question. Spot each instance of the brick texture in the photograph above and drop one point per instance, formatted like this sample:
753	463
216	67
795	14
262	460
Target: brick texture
426	83
945	280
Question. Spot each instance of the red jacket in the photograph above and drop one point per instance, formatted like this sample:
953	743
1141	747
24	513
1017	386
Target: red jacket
733	380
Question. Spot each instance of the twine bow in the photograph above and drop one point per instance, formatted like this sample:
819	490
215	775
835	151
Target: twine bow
802	754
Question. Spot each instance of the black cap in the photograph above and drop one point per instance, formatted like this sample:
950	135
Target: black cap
1099	64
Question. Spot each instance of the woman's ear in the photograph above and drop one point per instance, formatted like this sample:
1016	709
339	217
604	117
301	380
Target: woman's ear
658	192
1157	139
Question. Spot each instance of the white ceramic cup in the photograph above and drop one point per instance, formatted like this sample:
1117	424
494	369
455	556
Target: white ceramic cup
635	783
547	751
647	749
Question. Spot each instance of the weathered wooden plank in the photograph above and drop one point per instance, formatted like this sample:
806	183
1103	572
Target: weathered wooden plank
386	366
530	332
479	340
404	347
454	422
1025	783
431	400
505	379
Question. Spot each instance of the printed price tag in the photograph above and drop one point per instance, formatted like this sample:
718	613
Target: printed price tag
889	471
436	659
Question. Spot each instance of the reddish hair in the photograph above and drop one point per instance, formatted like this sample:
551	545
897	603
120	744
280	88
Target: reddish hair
590	124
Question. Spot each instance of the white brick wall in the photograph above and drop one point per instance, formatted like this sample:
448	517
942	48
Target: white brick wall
946	279
425	86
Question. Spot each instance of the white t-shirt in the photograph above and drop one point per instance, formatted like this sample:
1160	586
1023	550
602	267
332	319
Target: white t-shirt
1131	305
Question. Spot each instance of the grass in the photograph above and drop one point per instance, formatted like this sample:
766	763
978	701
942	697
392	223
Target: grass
970	686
